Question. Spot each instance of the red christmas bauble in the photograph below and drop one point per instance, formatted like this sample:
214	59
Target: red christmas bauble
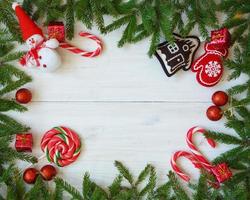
30	175
220	98
23	96
214	113
48	172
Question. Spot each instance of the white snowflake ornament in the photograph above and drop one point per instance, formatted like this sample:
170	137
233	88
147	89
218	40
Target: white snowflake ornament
213	69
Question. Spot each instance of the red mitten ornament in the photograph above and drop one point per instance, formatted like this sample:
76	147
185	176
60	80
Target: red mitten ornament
209	67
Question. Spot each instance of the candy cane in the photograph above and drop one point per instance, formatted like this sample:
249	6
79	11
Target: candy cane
61	146
81	52
195	162
189	139
187	155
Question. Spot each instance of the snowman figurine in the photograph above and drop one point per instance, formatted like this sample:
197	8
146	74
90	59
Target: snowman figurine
42	53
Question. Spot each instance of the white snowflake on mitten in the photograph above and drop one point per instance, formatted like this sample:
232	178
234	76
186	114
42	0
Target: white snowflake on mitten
213	68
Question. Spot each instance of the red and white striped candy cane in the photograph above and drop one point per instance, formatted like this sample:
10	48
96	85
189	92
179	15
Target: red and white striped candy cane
81	52
187	155
189	139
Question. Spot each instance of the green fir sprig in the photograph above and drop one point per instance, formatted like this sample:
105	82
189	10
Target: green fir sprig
139	19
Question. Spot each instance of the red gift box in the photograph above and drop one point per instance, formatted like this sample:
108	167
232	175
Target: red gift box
220	39
24	142
57	30
222	172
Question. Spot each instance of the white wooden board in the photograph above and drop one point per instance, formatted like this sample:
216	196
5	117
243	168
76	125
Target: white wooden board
123	107
136	133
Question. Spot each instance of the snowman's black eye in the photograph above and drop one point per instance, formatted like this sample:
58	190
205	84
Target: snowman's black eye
40	57
44	65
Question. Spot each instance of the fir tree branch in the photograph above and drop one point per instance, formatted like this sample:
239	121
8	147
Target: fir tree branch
88	187
38	191
243	112
117	24
7	105
224	157
247	186
143	175
58	193
124	172
223	138
70	19
238	89
98	15
237	125
11	57
6	74
179	192
149	188
115	187
83	12
27	6
9	126
67	187
163	192
10	154
12	178
202	189
154	42
128	32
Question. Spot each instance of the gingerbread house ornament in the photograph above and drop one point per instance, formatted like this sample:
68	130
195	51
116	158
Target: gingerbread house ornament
178	55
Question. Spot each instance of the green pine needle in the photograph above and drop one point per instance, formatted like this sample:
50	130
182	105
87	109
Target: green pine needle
7	72
7	105
67	187
70	19
143	175
115	187
224	138
179	192
124	172
149	20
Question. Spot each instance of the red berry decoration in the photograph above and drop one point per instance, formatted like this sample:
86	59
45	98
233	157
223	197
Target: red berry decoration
23	96
220	98
30	175
48	172
214	113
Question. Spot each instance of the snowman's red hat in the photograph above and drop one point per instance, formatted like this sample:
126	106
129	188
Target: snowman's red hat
27	26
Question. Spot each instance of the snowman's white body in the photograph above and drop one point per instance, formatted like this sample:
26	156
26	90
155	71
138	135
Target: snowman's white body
48	58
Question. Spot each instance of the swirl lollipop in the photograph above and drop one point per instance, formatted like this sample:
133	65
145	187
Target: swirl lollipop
61	145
